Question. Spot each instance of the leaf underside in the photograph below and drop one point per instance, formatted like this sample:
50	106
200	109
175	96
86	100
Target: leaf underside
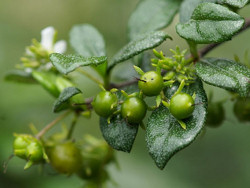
68	63
165	136
151	15
225	74
210	23
87	41
20	76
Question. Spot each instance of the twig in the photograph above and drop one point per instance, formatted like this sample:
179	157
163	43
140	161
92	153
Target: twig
50	125
72	127
202	52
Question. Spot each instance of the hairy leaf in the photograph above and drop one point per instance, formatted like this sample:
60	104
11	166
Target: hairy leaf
118	134
187	7
87	41
225	74
20	76
234	3
135	47
165	136
68	63
62	101
151	15
210	23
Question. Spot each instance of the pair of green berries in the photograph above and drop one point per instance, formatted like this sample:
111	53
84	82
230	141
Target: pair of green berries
29	148
134	109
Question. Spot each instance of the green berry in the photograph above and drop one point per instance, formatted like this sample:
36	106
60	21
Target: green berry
151	83
181	106
134	110
215	115
105	103
242	109
65	157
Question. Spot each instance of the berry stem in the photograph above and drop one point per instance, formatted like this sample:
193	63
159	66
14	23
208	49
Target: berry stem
90	76
72	127
51	124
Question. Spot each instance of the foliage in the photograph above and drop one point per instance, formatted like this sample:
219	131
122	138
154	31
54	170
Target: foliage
174	82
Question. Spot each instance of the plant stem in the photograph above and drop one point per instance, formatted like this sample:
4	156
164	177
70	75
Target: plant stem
106	80
193	50
72	127
201	53
90	76
51	124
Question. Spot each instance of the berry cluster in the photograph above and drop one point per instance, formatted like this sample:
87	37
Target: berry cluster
152	83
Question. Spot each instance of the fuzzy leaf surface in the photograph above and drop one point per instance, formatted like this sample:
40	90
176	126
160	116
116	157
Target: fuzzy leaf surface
63	99
165	136
151	15
118	134
68	63
210	23
225	74
137	46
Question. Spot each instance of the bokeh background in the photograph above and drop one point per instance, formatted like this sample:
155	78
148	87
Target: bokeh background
219	158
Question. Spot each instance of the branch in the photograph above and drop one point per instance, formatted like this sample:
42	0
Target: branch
204	51
50	125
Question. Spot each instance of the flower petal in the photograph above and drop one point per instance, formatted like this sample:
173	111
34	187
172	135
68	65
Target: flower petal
60	46
47	39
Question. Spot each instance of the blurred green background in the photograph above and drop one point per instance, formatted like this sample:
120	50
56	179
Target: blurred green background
220	158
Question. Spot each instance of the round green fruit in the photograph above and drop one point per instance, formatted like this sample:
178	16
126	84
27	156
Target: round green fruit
181	106
215	115
151	83
242	109
134	110
105	103
65	157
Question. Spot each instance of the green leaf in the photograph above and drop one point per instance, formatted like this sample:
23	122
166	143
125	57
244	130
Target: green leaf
210	23
234	3
62	101
165	136
151	15
20	76
118	134
87	41
68	63
48	81
187	7
135	47
225	74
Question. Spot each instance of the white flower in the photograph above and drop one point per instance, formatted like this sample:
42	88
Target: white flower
48	38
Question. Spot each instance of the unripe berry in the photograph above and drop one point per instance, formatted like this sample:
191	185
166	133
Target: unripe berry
105	103
181	105
151	83
134	110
